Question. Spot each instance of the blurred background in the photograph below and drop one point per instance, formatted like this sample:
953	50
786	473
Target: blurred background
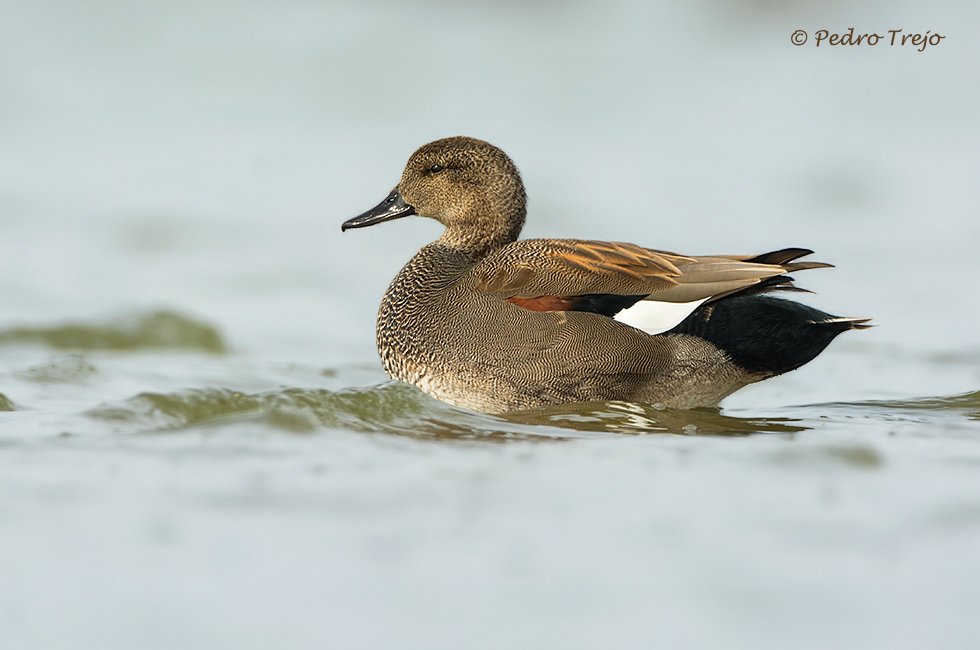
177	173
202	156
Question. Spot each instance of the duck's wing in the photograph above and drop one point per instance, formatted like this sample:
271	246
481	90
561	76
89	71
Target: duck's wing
710	277
532	268
556	274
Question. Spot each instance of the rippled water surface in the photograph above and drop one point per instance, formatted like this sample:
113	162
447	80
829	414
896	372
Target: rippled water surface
198	447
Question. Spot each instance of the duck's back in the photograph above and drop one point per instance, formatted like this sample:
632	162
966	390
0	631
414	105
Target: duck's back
475	350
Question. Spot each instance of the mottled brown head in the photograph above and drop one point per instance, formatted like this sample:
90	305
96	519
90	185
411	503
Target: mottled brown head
468	185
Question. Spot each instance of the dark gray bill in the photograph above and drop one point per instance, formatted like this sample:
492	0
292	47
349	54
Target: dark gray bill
393	207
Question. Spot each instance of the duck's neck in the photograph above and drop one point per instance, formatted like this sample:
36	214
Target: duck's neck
485	229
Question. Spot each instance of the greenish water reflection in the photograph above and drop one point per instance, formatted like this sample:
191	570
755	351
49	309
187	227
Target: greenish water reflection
399	409
162	329
396	408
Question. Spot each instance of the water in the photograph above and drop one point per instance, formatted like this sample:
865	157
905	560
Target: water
198	447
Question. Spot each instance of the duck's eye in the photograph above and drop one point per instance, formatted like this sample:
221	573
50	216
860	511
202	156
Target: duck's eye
435	169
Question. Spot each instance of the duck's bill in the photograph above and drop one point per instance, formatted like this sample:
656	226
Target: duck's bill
393	207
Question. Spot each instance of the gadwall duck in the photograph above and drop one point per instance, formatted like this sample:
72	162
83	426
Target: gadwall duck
484	321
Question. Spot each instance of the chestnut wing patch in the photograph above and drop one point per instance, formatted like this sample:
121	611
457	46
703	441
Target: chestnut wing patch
607	304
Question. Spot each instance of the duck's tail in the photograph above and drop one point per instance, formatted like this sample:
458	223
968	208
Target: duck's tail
766	335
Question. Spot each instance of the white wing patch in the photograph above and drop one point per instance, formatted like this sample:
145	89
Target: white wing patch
655	317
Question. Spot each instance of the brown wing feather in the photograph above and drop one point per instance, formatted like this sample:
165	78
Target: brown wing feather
563	268
717	276
532	268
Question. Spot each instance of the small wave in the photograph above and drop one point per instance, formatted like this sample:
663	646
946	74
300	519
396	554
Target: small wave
390	408
959	406
399	409
156	330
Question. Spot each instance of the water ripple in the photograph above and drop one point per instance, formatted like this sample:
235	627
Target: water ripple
396	408
957	407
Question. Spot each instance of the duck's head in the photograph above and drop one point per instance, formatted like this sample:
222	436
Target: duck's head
468	185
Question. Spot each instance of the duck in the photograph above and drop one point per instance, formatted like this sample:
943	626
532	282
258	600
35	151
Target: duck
489	322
